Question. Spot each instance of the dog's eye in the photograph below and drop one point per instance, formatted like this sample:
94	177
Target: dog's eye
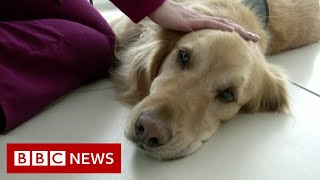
183	57
226	96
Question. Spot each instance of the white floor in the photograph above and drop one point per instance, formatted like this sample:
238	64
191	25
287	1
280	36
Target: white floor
263	146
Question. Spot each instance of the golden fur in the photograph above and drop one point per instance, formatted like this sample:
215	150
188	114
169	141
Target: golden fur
150	77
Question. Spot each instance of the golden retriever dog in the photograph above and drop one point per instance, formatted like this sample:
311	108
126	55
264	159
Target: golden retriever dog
183	85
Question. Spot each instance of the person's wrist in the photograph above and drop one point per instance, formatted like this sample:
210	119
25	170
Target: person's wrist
154	16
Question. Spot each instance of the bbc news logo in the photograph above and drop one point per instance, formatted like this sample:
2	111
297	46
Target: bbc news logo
40	158
58	158
63	158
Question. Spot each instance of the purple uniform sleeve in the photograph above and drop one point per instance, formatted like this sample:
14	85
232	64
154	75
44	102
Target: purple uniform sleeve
136	10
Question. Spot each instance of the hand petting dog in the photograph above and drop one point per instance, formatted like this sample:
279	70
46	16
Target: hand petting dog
174	16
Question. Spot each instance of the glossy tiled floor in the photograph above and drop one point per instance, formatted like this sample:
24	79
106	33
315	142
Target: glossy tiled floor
251	147
302	66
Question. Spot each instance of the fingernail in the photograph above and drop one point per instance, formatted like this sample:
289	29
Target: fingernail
254	35
257	36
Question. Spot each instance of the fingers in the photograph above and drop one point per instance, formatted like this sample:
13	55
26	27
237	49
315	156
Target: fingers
248	35
242	32
227	25
173	16
223	25
210	24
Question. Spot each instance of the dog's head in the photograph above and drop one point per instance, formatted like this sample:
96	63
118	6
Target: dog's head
194	81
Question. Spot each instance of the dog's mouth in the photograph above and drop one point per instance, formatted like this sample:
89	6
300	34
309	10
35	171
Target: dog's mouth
170	151
141	145
174	149
154	152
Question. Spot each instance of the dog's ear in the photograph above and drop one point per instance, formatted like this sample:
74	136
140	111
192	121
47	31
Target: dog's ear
168	41
144	60
273	96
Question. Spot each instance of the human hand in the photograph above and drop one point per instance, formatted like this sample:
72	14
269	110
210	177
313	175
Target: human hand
174	16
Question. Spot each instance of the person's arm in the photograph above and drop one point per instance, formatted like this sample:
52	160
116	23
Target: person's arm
171	15
136	10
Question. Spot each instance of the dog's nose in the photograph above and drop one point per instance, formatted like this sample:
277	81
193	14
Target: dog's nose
151	131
